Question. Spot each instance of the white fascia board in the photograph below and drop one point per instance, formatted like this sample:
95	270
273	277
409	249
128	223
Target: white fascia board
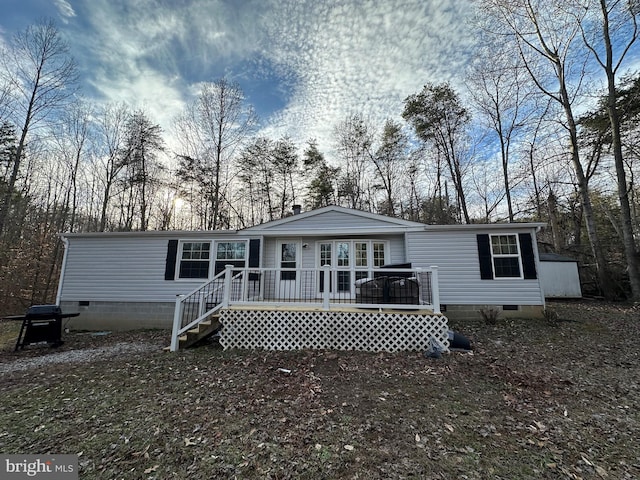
485	226
155	233
324	232
395	222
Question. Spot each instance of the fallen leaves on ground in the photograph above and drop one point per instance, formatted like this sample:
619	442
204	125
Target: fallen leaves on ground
537	399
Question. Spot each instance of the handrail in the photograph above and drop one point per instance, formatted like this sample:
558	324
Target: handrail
198	314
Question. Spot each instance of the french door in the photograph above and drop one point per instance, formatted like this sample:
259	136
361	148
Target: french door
350	260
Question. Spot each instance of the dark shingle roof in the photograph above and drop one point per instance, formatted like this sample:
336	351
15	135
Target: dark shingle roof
555	257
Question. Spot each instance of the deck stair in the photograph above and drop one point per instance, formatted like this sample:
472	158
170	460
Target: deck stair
201	331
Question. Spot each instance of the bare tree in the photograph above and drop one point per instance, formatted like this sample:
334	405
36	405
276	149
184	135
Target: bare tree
211	130
285	164
41	76
609	32
486	180
267	171
501	93
544	36
71	137
112	155
143	144
5	94
390	161
255	174
354	139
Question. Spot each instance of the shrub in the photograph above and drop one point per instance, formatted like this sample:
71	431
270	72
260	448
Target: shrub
490	315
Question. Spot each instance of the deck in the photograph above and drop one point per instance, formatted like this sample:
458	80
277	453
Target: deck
255	312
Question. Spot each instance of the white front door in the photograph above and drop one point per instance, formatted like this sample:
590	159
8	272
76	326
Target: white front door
288	259
339	256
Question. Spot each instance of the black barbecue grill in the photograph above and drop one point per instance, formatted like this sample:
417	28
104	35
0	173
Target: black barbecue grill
41	324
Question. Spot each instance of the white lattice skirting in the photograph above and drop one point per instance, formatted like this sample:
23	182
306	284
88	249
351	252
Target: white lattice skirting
334	330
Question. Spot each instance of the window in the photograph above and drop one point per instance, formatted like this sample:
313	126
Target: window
325	254
362	260
230	253
378	254
194	260
361	254
506	256
342	249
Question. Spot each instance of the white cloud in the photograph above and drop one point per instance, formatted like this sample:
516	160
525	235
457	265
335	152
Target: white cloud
146	53
336	58
65	9
364	57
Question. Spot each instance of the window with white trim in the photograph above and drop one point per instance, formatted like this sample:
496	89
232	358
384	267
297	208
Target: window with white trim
505	254
378	254
230	253
195	259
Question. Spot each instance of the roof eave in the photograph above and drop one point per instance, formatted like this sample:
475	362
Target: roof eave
152	233
486	226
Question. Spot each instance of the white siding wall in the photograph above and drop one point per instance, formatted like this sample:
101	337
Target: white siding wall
397	250
121	269
455	252
331	221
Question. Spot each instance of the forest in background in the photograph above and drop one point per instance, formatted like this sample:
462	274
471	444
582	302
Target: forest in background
544	128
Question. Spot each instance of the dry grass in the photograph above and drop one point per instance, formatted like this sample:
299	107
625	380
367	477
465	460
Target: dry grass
555	398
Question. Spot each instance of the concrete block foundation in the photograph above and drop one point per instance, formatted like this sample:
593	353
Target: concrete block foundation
472	312
118	315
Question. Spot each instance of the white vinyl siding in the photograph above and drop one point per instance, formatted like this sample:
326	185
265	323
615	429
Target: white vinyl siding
120	269
127	268
332	220
455	252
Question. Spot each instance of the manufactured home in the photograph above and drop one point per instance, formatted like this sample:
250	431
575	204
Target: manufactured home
348	262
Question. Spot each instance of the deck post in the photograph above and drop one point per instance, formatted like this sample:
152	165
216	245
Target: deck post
176	323
226	294
245	285
326	285
435	289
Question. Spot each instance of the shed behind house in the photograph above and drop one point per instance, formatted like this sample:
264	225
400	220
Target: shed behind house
559	276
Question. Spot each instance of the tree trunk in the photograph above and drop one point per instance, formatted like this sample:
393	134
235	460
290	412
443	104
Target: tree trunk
583	190
623	195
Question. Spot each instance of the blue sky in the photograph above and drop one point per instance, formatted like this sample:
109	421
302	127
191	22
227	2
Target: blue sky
303	65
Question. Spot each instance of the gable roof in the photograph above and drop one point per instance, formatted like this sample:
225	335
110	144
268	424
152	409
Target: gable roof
335	219
331	220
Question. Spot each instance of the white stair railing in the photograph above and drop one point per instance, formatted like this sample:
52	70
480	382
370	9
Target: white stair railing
199	304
